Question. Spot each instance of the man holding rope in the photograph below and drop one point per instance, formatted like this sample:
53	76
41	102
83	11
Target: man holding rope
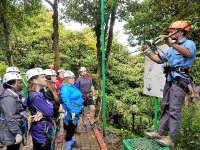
178	60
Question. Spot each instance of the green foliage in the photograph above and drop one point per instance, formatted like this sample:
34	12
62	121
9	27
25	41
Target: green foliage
82	11
151	18
195	71
189	135
125	134
3	67
79	49
18	13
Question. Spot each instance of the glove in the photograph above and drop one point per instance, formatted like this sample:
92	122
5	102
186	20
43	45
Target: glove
144	49
62	115
167	40
73	116
18	139
37	116
94	97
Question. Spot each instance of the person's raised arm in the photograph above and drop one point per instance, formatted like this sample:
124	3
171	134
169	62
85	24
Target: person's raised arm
153	57
149	54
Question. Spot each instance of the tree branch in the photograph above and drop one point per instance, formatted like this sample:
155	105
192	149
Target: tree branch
50	3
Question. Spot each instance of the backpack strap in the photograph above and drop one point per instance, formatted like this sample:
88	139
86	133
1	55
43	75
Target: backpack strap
30	99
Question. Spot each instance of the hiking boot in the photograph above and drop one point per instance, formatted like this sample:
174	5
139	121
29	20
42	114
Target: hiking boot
166	142
75	145
58	139
94	125
1	146
153	135
85	127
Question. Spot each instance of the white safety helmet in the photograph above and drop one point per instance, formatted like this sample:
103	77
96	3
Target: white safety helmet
11	76
12	69
33	72
82	69
60	70
49	72
68	74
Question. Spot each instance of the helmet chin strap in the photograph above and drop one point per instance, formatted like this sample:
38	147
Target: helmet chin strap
50	81
38	83
15	86
176	38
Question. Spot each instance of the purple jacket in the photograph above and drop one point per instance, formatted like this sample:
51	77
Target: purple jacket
36	101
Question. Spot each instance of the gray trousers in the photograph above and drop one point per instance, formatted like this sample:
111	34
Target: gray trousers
172	103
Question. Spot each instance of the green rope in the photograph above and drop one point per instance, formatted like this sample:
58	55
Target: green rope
53	135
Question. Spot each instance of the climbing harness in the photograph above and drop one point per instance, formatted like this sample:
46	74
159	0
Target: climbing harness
180	70
86	98
51	136
24	130
43	119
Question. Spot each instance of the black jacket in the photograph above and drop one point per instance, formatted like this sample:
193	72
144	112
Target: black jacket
49	95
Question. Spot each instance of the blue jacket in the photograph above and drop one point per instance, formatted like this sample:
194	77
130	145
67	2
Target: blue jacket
177	60
72	102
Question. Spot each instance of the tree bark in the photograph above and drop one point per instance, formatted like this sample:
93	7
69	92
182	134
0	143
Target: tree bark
55	35
6	31
133	122
110	34
99	59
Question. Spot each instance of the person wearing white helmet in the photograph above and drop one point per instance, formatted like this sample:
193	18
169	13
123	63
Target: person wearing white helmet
86	87
73	104
10	106
12	69
82	69
51	94
40	108
60	76
50	75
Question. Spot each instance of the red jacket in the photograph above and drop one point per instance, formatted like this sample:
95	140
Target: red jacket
58	84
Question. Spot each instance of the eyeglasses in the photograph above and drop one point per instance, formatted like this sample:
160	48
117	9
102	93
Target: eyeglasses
71	78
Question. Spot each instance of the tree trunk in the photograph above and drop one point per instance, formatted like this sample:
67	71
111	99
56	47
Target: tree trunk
110	34
133	123
55	35
99	59
6	31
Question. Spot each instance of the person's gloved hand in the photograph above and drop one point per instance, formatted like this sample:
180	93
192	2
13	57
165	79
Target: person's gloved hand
37	116
62	115
167	40
94	97
18	139
144	49
73	116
